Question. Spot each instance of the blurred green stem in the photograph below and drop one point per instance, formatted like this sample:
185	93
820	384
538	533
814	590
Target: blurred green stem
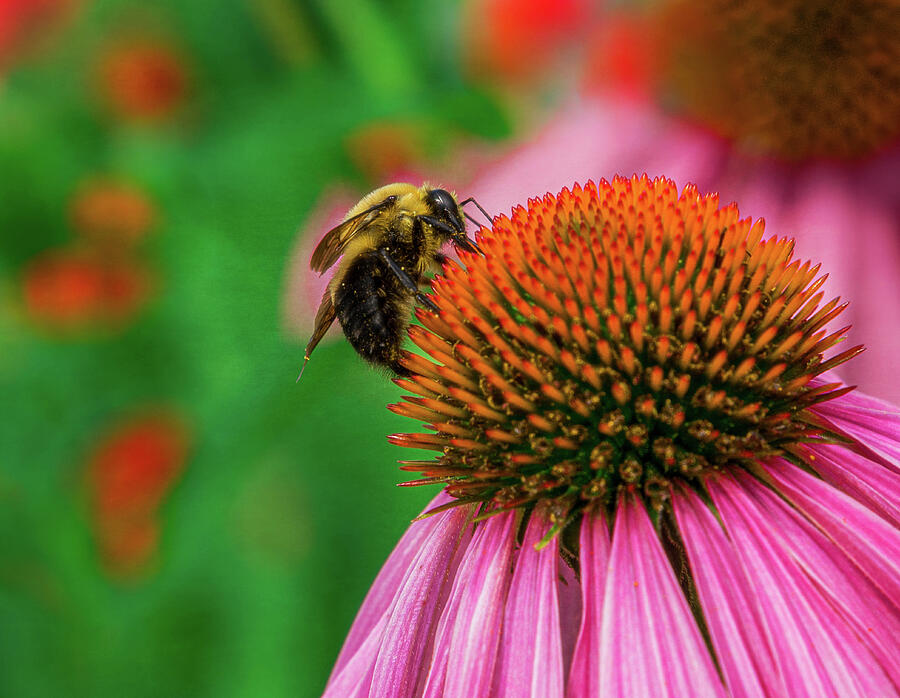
372	48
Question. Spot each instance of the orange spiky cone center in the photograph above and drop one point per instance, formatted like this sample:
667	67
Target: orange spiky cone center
616	336
794	79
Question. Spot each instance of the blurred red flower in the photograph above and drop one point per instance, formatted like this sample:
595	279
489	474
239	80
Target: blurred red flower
111	213
70	289
143	80
620	57
25	23
516	39
380	149
132	468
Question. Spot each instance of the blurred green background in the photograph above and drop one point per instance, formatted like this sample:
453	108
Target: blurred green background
177	517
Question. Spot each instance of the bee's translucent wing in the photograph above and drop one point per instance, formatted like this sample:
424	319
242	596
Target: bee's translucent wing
324	318
332	245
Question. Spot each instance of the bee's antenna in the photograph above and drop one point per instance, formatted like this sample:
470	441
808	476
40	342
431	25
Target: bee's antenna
472	200
471	219
303	367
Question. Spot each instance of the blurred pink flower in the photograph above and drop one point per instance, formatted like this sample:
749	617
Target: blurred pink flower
792	79
621	522
846	216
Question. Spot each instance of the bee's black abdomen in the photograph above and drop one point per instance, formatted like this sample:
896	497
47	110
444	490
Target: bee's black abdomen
373	309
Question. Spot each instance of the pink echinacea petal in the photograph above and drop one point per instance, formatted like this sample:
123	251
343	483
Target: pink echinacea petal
393	635
384	588
868	540
531	662
400	664
584	678
465	650
867	481
816	650
650	643
873	423
872	617
856	240
728	600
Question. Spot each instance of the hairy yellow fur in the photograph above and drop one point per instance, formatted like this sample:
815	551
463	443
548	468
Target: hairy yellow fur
411	202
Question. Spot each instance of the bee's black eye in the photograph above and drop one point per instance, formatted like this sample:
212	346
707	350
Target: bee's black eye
441	201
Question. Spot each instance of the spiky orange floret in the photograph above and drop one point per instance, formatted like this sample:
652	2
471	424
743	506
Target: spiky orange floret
616	335
792	78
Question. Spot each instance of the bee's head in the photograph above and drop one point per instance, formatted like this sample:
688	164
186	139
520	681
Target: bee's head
445	208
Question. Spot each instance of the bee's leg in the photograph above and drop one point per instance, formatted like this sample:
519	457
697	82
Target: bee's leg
438	225
407	282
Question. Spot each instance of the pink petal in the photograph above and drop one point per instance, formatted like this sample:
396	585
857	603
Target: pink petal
398	616
857	401
570	607
729	602
673	149
400	664
867	539
468	633
381	595
875	424
872	616
531	662
857	240
355	677
867	481
817	652
650	643
584	678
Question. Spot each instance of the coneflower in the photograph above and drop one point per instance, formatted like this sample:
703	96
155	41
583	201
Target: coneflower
817	78
653	485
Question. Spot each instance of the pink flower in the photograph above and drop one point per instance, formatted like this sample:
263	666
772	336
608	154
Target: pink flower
654	486
844	215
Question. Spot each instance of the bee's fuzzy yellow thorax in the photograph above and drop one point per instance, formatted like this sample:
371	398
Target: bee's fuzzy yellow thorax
399	189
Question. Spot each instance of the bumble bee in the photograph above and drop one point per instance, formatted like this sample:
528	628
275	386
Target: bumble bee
389	242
